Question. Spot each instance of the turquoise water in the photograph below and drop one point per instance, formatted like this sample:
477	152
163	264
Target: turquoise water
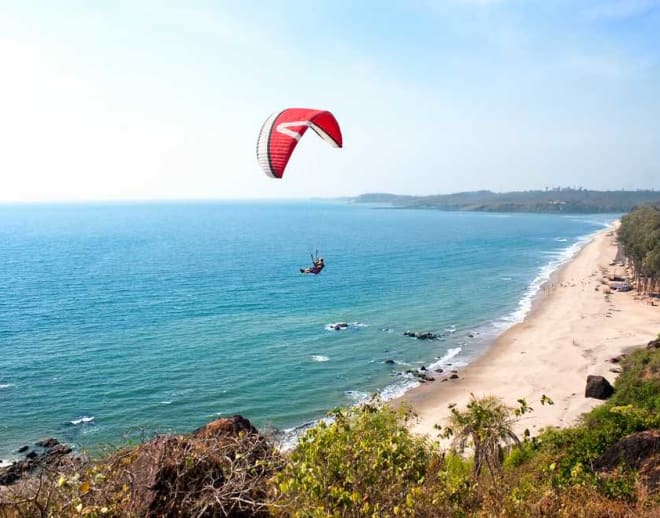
160	317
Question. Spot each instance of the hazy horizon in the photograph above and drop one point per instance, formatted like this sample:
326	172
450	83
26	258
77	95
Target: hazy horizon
163	101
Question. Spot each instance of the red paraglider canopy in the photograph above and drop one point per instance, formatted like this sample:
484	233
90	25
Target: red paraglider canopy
281	132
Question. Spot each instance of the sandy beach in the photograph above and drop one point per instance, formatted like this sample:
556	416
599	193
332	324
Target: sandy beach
574	329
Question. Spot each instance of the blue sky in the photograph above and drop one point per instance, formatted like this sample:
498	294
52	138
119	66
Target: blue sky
161	100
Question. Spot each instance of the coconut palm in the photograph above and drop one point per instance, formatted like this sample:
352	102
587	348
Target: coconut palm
486	426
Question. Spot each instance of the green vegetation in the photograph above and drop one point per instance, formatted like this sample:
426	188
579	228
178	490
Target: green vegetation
558	199
640	236
364	462
485	425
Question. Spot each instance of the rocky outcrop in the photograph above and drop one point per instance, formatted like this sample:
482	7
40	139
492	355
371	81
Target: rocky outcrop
220	469
639	451
215	464
653	344
226	426
598	388
46	454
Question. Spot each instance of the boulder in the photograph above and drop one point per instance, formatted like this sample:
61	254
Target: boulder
632	451
47	443
23	449
226	426
654	344
598	388
389	362
453	376
638	451
208	473
46	457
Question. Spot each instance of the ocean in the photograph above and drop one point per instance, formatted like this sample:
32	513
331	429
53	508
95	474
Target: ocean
118	321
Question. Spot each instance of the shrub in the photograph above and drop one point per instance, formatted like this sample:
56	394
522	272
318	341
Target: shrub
366	463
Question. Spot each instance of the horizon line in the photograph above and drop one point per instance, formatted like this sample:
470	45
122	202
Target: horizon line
289	199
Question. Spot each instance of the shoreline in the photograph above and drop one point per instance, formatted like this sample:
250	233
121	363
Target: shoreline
571	330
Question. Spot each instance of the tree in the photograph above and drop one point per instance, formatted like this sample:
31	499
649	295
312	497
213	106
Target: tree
486	425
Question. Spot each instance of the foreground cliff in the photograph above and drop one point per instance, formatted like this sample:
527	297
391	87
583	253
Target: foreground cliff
367	463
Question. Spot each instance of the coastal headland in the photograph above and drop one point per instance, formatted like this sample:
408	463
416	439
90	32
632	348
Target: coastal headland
576	327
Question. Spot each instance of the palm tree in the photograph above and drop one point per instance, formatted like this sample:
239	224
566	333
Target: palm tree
486	426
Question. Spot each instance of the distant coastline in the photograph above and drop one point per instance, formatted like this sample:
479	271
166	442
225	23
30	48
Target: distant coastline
556	200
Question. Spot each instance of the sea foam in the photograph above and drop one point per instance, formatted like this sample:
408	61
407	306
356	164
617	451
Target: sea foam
83	420
545	272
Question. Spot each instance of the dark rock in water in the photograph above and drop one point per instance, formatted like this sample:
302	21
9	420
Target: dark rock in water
439	370
470	335
338	326
453	377
444	379
638	451
389	362
51	457
422	368
23	449
454	371
47	443
598	388
426	335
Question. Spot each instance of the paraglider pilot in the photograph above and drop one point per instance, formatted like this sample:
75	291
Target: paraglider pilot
317	266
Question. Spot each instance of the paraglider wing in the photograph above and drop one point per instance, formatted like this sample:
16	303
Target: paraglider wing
281	132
